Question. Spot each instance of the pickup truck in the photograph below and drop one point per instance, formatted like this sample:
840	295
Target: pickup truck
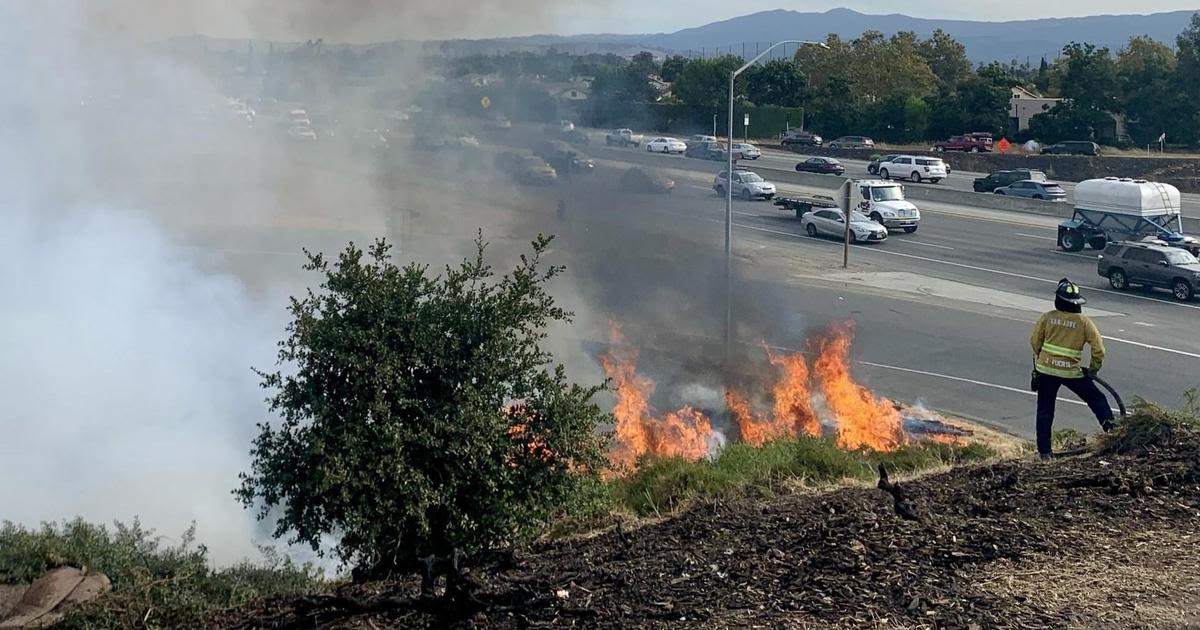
623	138
974	143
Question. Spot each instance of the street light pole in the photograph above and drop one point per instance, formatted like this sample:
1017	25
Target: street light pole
729	198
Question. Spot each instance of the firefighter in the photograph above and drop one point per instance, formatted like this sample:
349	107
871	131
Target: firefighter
1058	339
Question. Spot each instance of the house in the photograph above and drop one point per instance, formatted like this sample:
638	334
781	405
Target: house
568	92
1024	105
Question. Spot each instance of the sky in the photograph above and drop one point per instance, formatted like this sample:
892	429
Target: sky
363	21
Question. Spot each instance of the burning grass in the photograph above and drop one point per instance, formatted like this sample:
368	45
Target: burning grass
660	486
812	394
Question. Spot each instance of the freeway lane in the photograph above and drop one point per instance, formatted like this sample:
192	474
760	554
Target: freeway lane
958	180
964	355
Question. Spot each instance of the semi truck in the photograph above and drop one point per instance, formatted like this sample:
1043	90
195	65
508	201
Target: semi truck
1122	209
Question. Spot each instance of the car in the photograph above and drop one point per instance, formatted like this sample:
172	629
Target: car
302	132
623	138
700	139
971	143
746	184
564	158
1048	191
745	151
832	222
526	168
1128	263
914	168
563	126
852	142
638	179
873	165
577	137
801	139
666	145
823	165
884	202
1003	178
1072	147
707	151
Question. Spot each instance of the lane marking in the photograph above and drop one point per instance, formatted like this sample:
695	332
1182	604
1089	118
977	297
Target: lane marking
1046	238
1077	255
960	379
1151	347
923	244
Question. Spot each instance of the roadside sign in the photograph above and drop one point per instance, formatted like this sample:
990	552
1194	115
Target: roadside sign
485	102
1003	145
746	122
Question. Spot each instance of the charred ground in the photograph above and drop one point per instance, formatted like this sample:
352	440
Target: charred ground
1101	540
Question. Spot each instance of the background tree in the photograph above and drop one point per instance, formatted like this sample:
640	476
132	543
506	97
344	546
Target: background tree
419	414
704	83
946	57
671	67
1146	75
777	82
1088	78
1187	81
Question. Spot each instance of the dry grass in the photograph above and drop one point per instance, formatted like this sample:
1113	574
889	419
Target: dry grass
1140	579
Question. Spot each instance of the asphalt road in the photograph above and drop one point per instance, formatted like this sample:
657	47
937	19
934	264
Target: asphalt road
943	315
959	180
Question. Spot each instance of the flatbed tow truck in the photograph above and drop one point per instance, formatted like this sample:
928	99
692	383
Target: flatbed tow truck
882	201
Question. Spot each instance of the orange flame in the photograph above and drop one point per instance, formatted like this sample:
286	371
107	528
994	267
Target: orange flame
684	433
858	418
862	420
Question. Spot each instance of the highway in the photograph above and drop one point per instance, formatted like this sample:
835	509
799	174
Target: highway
942	316
958	180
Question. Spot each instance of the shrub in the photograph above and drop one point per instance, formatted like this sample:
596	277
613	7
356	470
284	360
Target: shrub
419	414
153	585
1150	425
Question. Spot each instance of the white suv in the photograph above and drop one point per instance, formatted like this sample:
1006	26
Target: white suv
914	168
746	184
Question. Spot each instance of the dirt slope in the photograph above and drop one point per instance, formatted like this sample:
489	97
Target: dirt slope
1085	542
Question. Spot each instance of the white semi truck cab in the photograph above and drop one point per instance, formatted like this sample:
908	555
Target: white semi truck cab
884	202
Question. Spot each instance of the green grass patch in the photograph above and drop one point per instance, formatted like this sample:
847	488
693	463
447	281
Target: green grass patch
154	585
662	486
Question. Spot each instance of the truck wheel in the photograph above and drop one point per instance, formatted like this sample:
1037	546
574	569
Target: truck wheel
811	229
910	229
883	172
1098	242
1118	280
915	177
1183	290
1071	241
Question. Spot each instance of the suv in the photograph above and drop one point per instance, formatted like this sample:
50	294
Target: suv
746	184
852	142
973	143
914	168
1003	178
801	138
1126	264
1072	147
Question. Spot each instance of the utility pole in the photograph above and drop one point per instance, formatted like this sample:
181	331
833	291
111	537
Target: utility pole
715	124
846	200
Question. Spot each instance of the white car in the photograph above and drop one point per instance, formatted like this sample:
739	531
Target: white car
666	145
743	151
832	222
302	132
746	184
914	168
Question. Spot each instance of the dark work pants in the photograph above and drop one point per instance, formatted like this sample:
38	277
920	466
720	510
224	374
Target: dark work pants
1047	394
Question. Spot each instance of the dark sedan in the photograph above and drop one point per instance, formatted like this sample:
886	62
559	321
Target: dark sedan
822	165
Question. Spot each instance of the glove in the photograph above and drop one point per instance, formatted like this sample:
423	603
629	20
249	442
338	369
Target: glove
1034	377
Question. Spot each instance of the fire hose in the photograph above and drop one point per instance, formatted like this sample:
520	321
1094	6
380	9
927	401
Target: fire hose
1112	391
